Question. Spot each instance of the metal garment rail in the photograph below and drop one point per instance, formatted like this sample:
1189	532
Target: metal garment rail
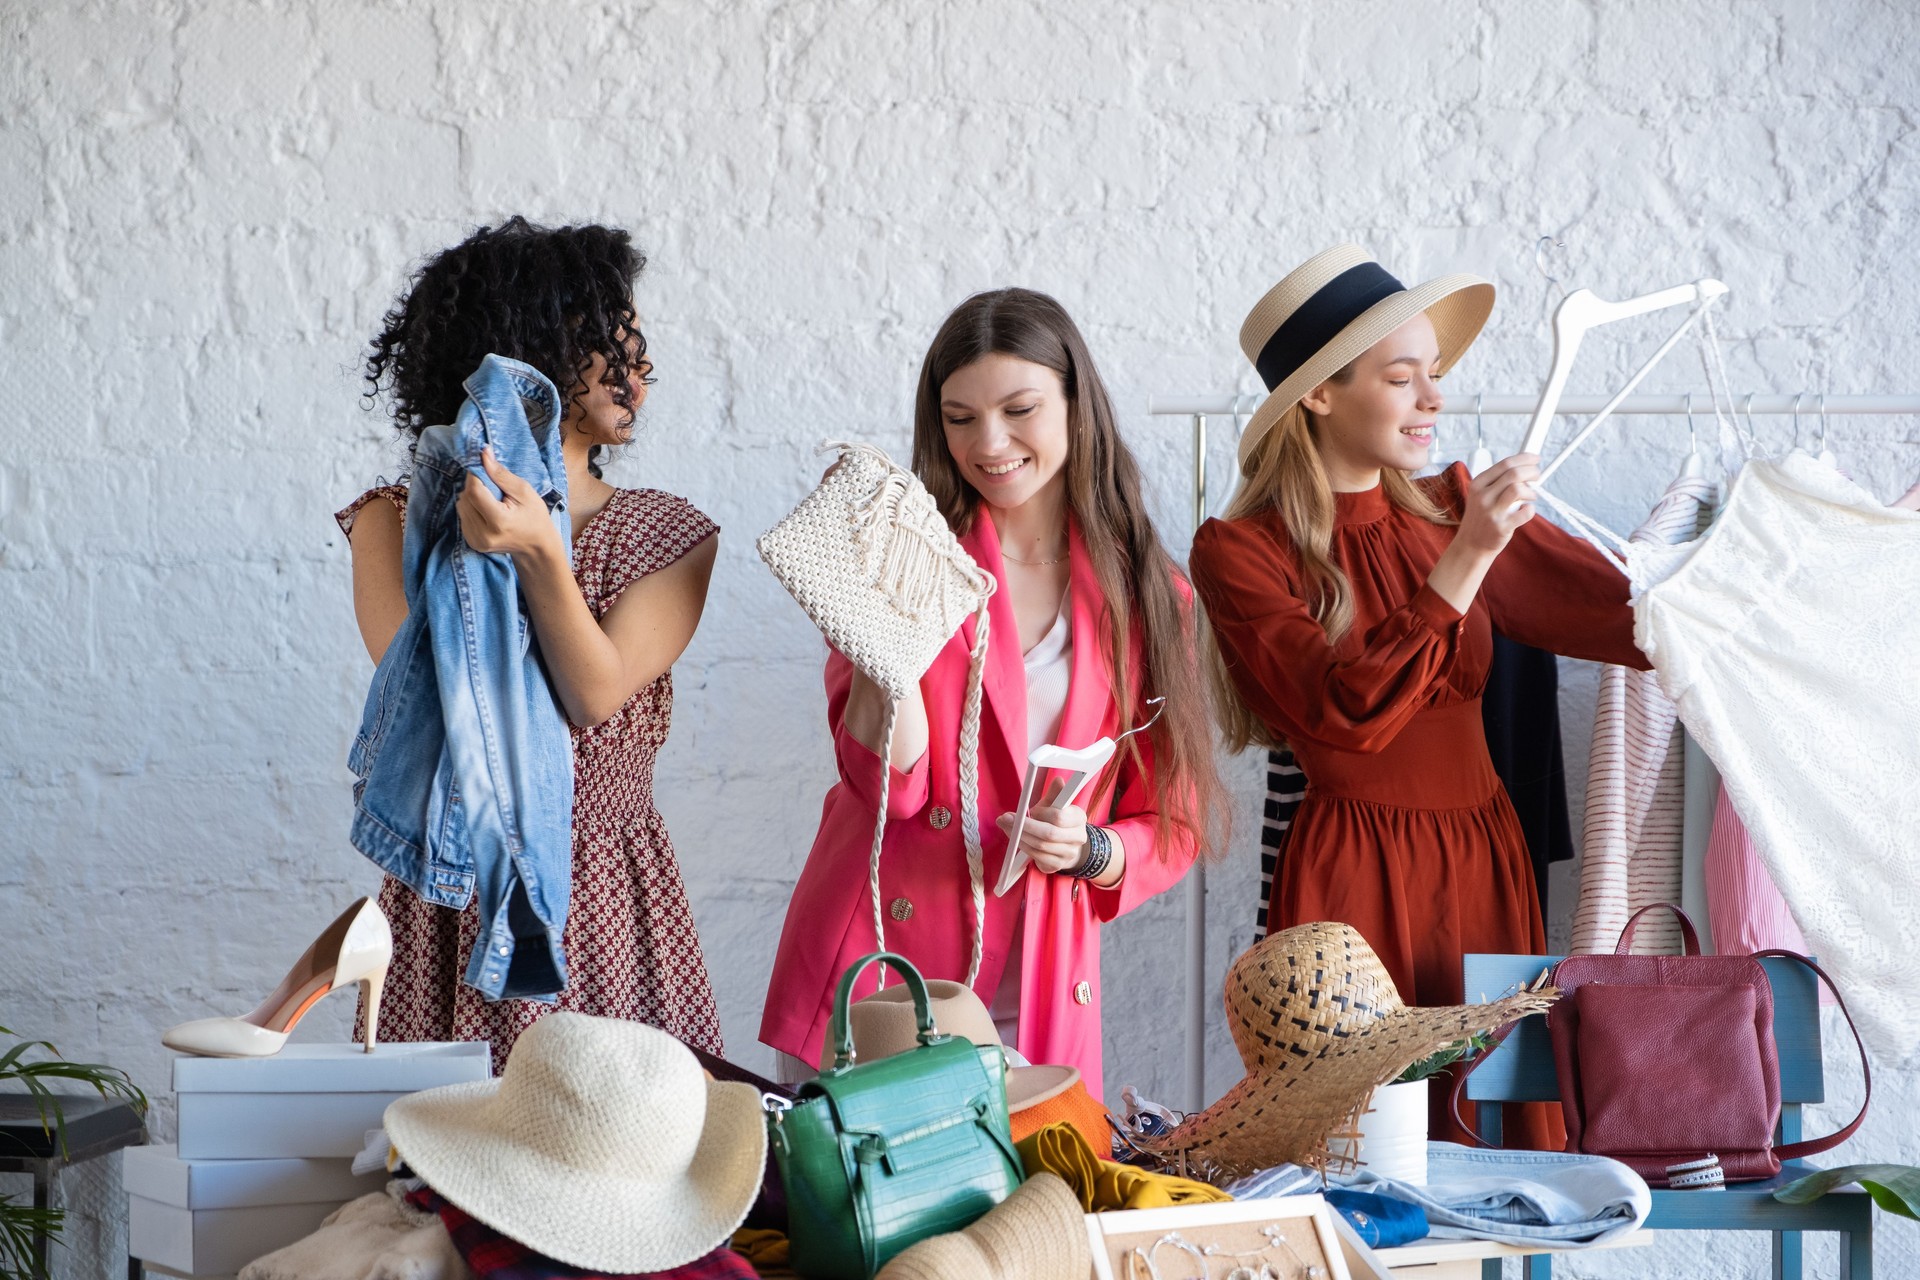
1202	407
1771	404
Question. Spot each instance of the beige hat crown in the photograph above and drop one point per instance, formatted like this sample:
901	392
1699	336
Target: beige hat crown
883	1024
1330	309
602	1145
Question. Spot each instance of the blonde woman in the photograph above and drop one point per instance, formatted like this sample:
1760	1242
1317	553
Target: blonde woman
1353	610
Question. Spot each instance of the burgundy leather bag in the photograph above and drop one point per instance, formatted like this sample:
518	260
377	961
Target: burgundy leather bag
1667	1060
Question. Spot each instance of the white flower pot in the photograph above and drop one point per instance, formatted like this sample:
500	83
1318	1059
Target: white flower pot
1393	1133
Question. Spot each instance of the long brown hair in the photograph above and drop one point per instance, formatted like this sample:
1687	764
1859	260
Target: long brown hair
1285	474
1136	576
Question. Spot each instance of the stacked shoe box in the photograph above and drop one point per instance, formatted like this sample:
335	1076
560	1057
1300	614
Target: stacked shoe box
266	1147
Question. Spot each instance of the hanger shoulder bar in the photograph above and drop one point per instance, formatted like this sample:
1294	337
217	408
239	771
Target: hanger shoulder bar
1583	310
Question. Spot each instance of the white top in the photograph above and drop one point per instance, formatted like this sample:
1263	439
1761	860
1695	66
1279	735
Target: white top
1049	667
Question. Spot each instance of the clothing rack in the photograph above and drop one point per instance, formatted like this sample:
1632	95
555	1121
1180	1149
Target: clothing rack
1202	407
1770	405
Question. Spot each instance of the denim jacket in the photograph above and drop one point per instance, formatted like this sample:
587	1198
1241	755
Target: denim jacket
464	758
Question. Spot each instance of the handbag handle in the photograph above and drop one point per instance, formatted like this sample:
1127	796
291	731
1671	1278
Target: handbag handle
842	1027
1689	936
1814	1146
1459	1090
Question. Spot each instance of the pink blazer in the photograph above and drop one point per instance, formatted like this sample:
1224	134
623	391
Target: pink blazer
923	868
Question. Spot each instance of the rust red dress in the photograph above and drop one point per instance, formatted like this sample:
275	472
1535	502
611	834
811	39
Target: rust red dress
1406	832
632	950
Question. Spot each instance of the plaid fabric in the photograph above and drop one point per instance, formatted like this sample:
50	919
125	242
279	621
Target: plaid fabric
492	1256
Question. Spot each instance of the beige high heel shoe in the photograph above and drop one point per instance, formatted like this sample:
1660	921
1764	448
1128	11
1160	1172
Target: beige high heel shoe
356	948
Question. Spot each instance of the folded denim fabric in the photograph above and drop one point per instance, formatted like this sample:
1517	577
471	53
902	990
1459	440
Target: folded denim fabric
1518	1197
1380	1221
1102	1185
492	1256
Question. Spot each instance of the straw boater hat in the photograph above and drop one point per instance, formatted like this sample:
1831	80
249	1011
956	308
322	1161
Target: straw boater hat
1318	1024
602	1145
1330	310
883	1025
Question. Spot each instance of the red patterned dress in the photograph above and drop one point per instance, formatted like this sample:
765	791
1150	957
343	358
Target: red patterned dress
632	950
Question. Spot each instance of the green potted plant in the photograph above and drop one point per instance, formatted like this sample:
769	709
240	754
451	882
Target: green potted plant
33	1064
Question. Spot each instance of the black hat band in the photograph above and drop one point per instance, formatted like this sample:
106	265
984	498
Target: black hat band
1319	320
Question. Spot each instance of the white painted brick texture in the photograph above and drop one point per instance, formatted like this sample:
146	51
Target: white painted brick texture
205	207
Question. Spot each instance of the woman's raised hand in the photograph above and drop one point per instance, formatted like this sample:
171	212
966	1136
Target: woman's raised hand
1498	501
517	522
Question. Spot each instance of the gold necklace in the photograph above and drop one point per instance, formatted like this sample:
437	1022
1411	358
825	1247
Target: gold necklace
1035	564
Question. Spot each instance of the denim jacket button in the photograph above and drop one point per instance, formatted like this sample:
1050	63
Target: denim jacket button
940	817
503	951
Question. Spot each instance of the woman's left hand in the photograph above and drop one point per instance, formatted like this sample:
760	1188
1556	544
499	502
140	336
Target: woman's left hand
1055	838
517	522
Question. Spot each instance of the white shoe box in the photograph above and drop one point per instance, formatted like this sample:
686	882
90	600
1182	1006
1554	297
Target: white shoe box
308	1100
212	1217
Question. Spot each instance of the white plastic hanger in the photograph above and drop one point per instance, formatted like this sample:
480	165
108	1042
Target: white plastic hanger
1826	454
1079	765
1691	466
1582	311
1482	456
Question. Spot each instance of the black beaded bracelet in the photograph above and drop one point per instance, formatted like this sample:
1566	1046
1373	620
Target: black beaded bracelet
1099	854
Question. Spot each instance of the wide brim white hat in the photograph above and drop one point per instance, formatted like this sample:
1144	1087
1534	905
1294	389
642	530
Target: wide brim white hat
1330	309
602	1145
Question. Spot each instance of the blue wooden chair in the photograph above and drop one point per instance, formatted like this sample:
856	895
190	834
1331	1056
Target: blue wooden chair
1521	1070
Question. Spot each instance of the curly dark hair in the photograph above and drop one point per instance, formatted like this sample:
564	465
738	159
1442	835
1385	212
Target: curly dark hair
553	297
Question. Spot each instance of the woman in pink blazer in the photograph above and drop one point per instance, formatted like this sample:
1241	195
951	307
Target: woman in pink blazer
1014	436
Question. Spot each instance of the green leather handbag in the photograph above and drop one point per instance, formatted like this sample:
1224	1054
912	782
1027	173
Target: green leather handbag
878	1156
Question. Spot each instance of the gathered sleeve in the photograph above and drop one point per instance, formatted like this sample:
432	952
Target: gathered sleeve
1356	698
858	764
1554	591
1155	861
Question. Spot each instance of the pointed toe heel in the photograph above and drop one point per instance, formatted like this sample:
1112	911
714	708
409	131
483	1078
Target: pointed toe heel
355	949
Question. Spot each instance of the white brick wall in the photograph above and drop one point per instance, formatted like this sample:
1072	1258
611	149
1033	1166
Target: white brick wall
204	208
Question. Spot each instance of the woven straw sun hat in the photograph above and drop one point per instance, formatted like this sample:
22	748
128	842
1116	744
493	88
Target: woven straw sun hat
883	1024
1330	309
602	1145
1318	1024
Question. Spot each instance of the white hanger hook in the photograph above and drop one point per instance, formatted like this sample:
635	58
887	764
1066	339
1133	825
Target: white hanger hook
1693	432
1541	247
1823	421
1797	397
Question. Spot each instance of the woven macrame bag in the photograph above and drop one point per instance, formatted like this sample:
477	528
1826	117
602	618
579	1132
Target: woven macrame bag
873	562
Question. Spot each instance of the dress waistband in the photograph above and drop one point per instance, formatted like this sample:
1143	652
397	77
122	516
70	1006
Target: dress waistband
1438	760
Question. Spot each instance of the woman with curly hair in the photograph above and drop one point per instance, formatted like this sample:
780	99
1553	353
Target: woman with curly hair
610	619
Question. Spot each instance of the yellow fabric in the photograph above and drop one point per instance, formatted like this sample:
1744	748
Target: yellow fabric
763	1249
1103	1185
